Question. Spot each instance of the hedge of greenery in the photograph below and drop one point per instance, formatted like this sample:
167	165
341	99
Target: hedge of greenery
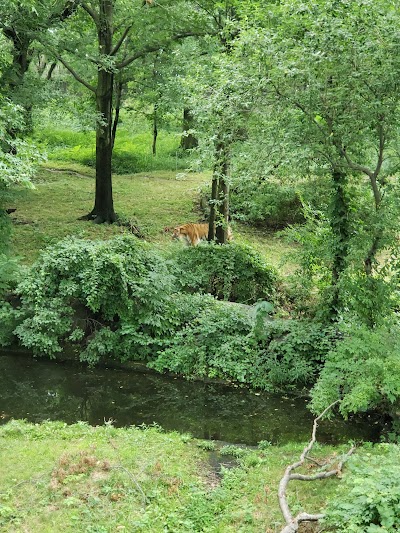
236	273
118	299
368	499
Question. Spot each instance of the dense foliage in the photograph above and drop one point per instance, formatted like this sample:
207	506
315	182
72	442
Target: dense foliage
116	299
266	203
236	273
247	347
363	370
368	499
119	286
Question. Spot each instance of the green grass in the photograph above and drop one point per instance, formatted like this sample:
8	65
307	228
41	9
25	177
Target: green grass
152	200
132	151
55	477
153	193
50	212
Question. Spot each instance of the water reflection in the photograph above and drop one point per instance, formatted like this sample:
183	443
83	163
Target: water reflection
39	389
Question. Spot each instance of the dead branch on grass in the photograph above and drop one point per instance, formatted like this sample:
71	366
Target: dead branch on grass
293	522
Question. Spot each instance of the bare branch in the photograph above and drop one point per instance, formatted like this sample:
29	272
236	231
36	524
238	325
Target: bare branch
76	75
292	523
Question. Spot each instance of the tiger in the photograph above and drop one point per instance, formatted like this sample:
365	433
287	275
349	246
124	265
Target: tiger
194	233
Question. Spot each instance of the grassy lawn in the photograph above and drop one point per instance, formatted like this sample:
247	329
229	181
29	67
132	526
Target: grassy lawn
55	477
153	200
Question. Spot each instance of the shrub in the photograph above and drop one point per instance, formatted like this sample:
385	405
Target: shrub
9	272
363	370
234	272
294	352
9	318
224	341
368	499
78	287
217	343
266	202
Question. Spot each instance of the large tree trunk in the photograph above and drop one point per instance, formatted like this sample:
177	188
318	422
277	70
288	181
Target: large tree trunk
188	141
119	86
103	210
219	203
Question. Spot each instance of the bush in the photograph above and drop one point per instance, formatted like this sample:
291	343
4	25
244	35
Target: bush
217	343
363	370
115	299
227	342
368	499
9	273
266	202
233	272
101	290
294	353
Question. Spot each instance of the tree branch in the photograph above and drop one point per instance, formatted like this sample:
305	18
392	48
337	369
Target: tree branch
76	75
155	47
292	523
91	12
122	39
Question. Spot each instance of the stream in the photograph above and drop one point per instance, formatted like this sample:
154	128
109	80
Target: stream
39	389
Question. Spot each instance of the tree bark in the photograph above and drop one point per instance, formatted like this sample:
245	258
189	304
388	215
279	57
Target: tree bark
155	131
219	203
103	210
118	98
213	206
188	141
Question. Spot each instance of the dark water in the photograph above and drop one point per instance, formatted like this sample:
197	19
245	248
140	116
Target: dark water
39	389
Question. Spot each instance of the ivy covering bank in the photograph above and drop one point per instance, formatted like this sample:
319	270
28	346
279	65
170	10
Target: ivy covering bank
121	299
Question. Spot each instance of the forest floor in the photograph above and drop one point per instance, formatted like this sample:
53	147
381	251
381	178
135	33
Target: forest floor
78	478
155	202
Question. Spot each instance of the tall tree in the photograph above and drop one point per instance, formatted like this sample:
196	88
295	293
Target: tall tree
22	23
143	29
335	68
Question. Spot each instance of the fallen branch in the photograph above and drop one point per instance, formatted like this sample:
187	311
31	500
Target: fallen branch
293	522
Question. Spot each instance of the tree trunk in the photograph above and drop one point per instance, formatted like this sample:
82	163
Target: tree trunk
213	206
219	204
118	98
188	141
155	131
103	210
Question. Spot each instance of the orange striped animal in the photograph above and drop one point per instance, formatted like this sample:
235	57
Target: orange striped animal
194	233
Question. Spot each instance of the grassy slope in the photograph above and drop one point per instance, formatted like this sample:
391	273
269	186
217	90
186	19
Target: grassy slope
155	200
77	478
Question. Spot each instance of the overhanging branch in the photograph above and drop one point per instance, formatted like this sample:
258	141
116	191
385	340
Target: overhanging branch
90	11
76	75
122	39
158	46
